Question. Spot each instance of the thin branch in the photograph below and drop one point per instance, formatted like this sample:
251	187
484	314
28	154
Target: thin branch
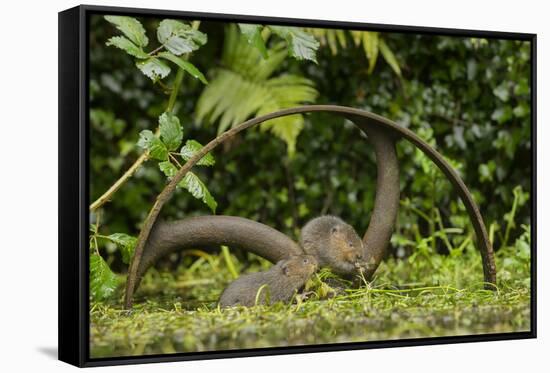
116	186
105	197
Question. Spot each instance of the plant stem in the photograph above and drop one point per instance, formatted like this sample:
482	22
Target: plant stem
116	186
510	222
105	197
175	89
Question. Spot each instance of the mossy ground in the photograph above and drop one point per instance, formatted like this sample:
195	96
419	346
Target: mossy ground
426	295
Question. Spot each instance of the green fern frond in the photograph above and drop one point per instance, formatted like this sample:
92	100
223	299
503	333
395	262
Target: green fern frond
244	87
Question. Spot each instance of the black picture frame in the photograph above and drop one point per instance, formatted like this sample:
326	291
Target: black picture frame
73	273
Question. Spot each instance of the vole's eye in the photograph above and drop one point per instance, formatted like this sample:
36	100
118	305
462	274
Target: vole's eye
305	261
350	244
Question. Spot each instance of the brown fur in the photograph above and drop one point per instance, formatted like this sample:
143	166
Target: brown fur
334	243
278	284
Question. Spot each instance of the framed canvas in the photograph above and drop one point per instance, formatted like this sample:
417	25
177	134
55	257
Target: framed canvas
234	186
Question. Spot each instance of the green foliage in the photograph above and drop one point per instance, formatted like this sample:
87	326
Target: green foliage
130	27
157	149
171	131
370	41
193	146
126	45
447	299
184	65
163	148
179	38
191	183
253	35
255	90
103	282
389	57
196	187
301	45
153	68
125	243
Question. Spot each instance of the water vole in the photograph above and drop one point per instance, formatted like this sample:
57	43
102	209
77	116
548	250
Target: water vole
334	243
278	284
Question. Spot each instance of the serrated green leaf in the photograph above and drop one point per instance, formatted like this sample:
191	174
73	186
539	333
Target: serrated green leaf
148	141
301	45
185	65
103	282
126	45
196	187
191	147
130	27
125	243
253	34
153	68
168	168
179	37
171	132
389	56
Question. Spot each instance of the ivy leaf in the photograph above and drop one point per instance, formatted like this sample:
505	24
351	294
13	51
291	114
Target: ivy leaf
301	45
389	56
253	35
196	187
171	132
126	45
179	37
103	281
502	92
130	27
148	141
191	147
185	65
125	243
168	168
153	68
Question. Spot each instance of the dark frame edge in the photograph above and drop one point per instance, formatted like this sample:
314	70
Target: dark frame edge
429	30
533	41
71	269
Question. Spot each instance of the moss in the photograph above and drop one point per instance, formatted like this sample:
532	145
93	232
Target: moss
422	296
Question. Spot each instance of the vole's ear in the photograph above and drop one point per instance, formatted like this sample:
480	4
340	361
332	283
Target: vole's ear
285	269
335	229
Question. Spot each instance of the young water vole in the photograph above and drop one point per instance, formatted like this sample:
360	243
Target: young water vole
278	284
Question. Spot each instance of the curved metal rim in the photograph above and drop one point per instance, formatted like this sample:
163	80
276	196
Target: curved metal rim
363	119
483	243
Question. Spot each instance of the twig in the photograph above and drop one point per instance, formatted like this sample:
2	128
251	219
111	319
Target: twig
116	186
